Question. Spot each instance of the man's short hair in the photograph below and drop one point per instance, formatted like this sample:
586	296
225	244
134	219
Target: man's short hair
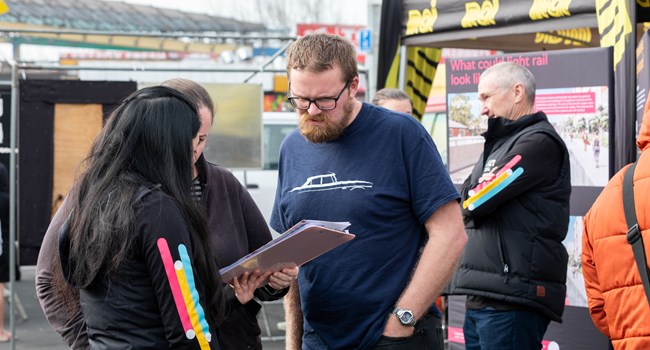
390	94
320	52
507	74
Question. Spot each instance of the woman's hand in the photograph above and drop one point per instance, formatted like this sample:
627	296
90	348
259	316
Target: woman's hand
282	279
245	285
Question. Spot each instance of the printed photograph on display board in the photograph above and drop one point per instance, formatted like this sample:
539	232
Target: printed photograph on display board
575	283
580	115
577	100
436	125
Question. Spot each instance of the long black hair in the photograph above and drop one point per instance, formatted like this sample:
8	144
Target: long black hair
147	141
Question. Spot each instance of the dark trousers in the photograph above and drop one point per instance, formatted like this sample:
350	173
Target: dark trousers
493	329
427	336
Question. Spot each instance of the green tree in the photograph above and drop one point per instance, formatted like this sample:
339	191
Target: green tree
568	125
581	124
603	118
594	126
460	110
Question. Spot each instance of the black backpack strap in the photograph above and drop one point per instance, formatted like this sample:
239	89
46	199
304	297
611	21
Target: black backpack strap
634	237
628	198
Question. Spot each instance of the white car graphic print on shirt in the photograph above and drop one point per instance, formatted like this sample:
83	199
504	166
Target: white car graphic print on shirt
329	182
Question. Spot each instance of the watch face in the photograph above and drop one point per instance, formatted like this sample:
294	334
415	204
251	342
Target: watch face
406	317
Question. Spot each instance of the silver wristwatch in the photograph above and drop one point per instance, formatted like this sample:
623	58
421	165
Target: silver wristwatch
405	316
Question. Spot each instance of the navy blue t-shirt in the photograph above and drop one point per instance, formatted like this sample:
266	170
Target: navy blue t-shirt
385	177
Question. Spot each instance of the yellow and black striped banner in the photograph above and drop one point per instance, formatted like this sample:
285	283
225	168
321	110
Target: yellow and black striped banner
392	75
421	66
389	40
421	61
420	70
614	26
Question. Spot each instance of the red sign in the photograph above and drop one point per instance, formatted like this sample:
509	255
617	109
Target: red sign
349	32
566	103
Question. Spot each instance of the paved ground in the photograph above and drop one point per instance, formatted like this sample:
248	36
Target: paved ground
35	332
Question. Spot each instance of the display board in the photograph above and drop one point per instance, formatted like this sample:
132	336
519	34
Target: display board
642	78
235	139
236	135
577	98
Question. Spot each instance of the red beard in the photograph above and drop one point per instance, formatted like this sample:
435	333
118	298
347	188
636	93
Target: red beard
326	130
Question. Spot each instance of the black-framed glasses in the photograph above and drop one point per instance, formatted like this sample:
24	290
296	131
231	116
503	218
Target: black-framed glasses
323	103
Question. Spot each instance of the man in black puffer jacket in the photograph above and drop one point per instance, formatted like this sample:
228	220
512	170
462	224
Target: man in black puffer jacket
516	213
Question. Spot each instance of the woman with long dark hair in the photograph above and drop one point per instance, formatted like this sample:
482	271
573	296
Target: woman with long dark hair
135	243
236	227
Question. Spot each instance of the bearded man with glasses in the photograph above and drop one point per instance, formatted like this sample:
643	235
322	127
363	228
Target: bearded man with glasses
379	170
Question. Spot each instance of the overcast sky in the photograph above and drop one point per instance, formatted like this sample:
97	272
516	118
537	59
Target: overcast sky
352	11
201	6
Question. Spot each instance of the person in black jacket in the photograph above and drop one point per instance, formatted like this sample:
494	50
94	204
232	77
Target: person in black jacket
236	228
236	225
135	243
516	212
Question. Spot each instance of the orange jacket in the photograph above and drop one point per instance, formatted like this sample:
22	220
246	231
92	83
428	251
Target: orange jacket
617	302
